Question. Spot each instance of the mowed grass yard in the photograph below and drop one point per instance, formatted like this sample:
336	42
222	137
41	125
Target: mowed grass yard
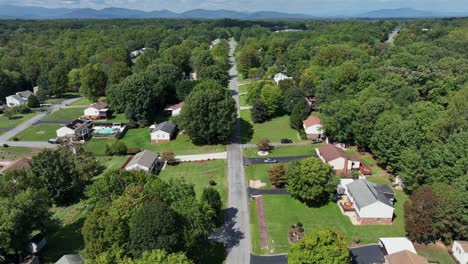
38	133
435	253
65	114
275	129
140	137
258	172
199	174
281	211
16	119
12	153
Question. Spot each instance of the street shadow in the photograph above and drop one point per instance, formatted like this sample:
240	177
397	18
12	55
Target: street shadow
247	131
233	92
232	235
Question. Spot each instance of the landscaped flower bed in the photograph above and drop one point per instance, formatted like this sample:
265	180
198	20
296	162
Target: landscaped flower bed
296	233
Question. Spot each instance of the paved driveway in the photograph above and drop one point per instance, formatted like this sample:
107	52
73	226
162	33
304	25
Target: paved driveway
279	259
249	161
200	157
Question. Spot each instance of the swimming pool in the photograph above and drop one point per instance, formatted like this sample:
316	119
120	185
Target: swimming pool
105	131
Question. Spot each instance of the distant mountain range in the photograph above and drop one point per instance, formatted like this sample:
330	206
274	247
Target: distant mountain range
30	12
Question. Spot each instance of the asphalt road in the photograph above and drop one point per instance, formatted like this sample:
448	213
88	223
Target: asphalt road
248	161
5	137
237	220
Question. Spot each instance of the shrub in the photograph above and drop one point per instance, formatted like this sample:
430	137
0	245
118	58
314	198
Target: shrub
212	183
117	148
299	224
264	144
276	174
133	150
33	102
300	230
15	139
5	145
169	157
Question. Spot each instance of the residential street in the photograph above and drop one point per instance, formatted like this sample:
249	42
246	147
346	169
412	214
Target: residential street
237	222
4	138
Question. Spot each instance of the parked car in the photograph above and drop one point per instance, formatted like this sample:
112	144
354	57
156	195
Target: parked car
268	160
53	141
316	141
286	141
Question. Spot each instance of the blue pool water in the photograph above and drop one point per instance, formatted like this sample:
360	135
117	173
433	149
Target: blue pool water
106	131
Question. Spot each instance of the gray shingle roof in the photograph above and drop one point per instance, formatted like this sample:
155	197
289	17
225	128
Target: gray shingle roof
70	259
366	193
25	93
145	158
18	98
165	126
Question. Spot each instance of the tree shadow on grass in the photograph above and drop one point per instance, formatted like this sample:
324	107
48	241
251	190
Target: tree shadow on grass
63	240
247	131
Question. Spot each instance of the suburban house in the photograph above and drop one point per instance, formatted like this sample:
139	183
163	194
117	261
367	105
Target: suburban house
70	259
405	257
460	251
77	128
214	43
22	163
193	76
313	127
98	110
38	242
134	54
336	157
392	245
146	160
280	76
175	109
18	99
162	132
371	203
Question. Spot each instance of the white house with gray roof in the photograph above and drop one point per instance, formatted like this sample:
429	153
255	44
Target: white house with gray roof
372	202
18	99
162	132
70	259
146	160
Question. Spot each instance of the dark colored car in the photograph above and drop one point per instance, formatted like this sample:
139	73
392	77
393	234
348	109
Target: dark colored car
286	141
316	141
270	160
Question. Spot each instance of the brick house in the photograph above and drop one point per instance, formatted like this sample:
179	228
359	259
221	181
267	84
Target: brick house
98	110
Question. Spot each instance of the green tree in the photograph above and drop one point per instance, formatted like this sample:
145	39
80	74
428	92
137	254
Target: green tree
74	79
201	58
58	80
338	117
22	213
118	72
93	82
209	114
9	113
277	175
212	197
264	145
117	148
272	98
259	112
214	72
154	226
184	88
63	173
247	59
311	181
298	114
320	246
158	257
169	157
33	102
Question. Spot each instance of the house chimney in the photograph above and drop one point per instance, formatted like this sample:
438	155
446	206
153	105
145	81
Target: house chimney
346	166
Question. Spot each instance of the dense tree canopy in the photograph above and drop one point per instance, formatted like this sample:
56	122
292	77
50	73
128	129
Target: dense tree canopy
209	114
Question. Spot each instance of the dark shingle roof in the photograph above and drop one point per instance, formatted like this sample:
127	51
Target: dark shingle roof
366	193
165	126
369	254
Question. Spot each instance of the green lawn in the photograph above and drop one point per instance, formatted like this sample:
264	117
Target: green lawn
435	254
65	238
38	133
82	101
199	174
368	161
111	162
16	120
258	172
282	151
12	153
275	129
281	211
65	114
243	100
140	137
243	89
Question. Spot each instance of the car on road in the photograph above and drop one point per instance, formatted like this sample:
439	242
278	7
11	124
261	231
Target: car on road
316	141
268	160
53	141
286	141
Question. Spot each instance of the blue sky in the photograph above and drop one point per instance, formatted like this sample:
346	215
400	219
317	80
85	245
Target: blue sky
319	7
